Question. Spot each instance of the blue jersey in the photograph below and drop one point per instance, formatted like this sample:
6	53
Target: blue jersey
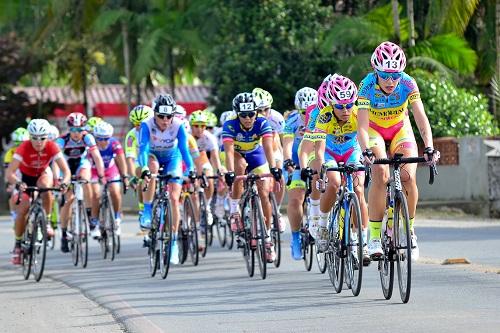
295	127
246	141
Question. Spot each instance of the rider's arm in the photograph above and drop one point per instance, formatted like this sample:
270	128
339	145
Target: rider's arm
131	151
287	146
120	159
363	123
144	145
61	164
99	164
422	123
10	173
182	139
267	143
320	146
229	150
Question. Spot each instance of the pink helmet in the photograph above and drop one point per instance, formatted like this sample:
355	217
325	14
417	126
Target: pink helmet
341	90
76	119
388	57
323	100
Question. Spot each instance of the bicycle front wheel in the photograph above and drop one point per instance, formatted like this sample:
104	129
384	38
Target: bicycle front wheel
386	266
39	244
275	229
165	239
110	232
192	234
355	246
220	225
73	241
306	239
321	261
104	219
83	235
335	263
27	250
204	235
259	235
402	241
244	239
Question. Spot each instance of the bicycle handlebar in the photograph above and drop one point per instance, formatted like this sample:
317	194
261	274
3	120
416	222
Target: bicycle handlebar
33	189
397	160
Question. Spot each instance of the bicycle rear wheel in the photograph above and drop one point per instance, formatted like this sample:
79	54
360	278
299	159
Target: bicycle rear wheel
307	240
220	225
275	229
386	267
27	250
83	235
39	244
402	241
335	262
111	232
229	233
259	235
103	225
203	224
355	246
320	260
165	239
192	233
153	252
245	237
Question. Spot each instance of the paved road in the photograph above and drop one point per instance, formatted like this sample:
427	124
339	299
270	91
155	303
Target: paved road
218	296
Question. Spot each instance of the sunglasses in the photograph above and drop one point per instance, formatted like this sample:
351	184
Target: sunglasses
264	109
163	116
76	129
102	139
38	138
247	114
343	106
386	76
198	126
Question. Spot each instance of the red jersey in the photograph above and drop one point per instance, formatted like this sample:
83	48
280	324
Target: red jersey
34	163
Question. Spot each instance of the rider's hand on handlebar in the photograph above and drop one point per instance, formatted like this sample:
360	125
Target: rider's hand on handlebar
276	172
229	178
368	157
192	175
146	175
305	173
289	165
21	186
102	180
431	155
63	187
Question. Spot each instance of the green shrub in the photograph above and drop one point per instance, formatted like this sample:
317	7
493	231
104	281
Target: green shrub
454	111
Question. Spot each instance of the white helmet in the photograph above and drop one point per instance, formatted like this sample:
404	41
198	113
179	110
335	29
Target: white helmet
388	57
305	97
226	115
39	127
103	130
180	112
53	133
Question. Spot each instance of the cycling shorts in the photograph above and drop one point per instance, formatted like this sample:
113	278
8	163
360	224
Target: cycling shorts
172	167
112	173
397	136
256	161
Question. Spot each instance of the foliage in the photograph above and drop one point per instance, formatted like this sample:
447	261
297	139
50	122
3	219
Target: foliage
273	45
454	111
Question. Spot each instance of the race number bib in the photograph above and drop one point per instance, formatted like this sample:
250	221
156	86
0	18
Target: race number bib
247	107
344	94
390	64
165	109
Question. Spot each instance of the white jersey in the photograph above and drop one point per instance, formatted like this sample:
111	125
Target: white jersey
162	141
277	121
207	142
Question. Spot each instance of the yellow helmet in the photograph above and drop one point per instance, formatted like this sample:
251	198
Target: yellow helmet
140	113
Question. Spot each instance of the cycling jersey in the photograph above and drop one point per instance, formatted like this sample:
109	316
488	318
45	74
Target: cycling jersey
295	128
312	113
131	144
169	147
207	142
76	153
246	141
277	121
193	147
9	155
34	163
108	154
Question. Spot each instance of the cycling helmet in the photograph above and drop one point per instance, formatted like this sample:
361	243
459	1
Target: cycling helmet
262	98
198	117
211	118
53	133
180	112
92	122
164	104
244	102
305	97
226	115
341	90
323	100
76	119
388	57
139	114
39	127
19	135
103	130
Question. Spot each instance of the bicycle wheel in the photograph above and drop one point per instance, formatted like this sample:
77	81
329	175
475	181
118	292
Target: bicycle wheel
165	239
335	262
229	233
355	246
74	243
54	217
402	241
110	232
203	224
307	240
153	252
245	237
275	229
27	249
192	233
320	260
103	225
39	244
220	225
83	235
386	267
259	235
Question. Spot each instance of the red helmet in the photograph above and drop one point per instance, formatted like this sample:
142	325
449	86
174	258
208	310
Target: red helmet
76	119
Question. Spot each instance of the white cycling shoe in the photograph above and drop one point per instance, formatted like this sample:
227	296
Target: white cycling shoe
375	248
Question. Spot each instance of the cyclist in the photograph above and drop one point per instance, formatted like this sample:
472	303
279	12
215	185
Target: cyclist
336	131
242	137
17	137
383	118
264	100
115	167
33	158
76	146
212	122
91	123
292	136
136	116
164	142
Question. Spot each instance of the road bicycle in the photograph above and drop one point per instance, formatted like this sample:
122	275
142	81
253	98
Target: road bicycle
79	225
109	240
307	241
251	240
188	231
396	233
34	242
344	255
224	232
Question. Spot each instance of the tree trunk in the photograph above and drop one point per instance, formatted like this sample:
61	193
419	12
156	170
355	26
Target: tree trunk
496	106
126	63
411	19
171	70
395	19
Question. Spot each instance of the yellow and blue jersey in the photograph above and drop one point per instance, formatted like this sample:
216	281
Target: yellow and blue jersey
246	141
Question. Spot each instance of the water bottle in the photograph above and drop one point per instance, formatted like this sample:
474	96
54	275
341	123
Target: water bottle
79	192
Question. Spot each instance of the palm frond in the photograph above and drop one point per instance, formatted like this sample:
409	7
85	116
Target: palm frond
148	58
431	65
110	17
449	16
